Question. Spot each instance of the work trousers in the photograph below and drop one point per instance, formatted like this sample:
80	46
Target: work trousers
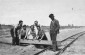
15	40
54	42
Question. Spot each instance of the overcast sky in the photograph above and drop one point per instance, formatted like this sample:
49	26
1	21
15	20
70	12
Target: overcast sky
66	11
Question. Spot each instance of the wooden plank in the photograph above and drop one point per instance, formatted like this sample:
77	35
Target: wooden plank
44	42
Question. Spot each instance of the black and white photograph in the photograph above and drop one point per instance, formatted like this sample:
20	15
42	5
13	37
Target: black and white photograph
42	27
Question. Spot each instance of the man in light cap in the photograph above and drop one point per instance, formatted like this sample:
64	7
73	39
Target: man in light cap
54	30
36	25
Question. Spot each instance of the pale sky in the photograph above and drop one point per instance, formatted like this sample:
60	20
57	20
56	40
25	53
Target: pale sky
66	11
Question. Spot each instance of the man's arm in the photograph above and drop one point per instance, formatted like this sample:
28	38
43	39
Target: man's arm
50	26
19	34
57	25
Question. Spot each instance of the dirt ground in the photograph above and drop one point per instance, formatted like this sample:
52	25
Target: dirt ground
7	49
77	48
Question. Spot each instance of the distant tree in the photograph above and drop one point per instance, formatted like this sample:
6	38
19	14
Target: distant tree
72	25
69	25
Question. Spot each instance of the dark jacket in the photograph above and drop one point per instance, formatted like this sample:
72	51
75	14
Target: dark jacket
16	30
54	26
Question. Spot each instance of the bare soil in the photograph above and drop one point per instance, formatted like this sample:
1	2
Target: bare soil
6	48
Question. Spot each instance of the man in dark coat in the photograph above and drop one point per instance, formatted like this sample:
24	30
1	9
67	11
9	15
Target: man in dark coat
54	30
15	33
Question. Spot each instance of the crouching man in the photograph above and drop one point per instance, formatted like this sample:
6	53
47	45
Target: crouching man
41	34
22	34
31	34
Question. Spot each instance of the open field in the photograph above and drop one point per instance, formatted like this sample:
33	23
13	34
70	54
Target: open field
7	49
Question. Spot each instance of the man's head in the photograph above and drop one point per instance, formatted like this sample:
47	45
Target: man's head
24	27
36	22
39	28
51	16
21	22
32	27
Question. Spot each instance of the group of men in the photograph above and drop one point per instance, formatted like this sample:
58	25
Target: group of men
22	32
19	32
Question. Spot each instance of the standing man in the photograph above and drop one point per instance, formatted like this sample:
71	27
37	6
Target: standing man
54	30
17	31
